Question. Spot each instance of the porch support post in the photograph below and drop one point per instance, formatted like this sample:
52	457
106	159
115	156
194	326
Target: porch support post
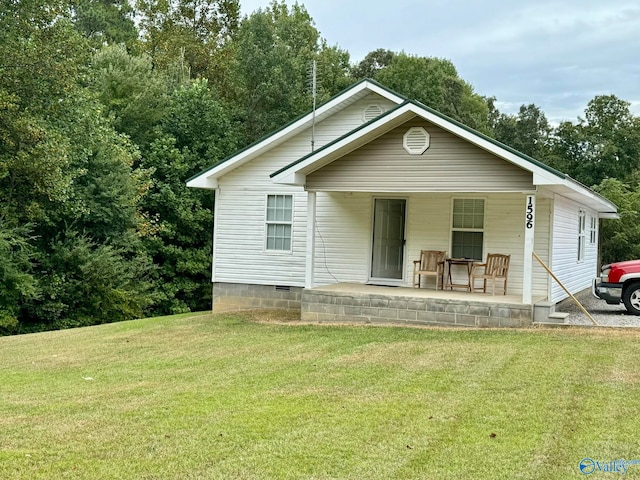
311	240
529	236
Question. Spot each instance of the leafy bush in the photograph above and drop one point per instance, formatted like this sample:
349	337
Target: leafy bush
17	284
84	283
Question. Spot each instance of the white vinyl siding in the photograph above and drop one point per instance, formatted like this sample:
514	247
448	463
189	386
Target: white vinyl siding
240	254
450	164
542	246
343	237
343	248
575	275
344	121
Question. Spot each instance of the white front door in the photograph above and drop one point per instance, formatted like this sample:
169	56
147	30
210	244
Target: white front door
387	260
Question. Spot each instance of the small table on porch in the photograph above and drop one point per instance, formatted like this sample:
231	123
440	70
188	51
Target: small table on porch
468	262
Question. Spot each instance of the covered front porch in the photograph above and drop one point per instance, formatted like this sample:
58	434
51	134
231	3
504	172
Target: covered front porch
352	302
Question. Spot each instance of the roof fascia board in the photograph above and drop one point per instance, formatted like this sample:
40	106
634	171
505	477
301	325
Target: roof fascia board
294	127
384	91
607	205
491	141
209	183
541	171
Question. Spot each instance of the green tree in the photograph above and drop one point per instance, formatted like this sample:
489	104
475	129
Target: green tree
105	21
372	63
17	282
197	132
187	32
333	71
435	83
528	131
605	144
87	283
274	50
63	168
620	238
135	95
39	67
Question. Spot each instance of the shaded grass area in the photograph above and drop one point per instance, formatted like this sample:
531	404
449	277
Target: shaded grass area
222	396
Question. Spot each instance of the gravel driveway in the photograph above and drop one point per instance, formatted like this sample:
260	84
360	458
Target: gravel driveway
605	315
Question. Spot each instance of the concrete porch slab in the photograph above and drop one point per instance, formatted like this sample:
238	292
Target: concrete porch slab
349	302
421	292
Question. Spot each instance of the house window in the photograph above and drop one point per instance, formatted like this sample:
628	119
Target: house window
279	220
467	230
582	221
593	237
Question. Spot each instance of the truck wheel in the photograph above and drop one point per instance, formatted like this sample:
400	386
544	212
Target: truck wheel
631	298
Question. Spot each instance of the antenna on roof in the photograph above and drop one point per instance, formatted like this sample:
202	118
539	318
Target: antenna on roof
313	75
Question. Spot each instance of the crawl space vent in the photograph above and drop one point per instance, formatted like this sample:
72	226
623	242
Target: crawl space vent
416	141
371	112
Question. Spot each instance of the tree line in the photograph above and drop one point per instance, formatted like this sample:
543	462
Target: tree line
108	106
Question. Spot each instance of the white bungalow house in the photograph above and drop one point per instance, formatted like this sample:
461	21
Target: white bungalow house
329	212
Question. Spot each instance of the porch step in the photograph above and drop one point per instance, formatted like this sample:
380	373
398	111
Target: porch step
545	314
555	319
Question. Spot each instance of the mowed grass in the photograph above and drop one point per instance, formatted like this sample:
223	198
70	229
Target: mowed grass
225	397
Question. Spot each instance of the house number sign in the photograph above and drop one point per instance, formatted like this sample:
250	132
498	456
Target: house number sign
529	216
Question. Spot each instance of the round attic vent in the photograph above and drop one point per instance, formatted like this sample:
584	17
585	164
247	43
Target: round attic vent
416	141
371	112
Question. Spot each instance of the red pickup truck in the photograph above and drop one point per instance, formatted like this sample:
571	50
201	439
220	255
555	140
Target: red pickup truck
620	282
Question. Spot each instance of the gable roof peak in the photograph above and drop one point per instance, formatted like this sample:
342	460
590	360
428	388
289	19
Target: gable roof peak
208	178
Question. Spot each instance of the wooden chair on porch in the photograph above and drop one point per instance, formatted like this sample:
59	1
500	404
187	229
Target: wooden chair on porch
495	268
431	264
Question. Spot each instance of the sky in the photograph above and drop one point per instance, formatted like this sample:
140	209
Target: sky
557	54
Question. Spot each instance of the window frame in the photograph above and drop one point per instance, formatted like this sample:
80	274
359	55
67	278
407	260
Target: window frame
268	223
582	228
593	231
474	229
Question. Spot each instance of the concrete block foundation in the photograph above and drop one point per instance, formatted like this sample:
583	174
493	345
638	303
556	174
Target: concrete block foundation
229	297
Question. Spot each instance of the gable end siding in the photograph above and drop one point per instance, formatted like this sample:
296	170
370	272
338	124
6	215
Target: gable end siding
239	253
449	164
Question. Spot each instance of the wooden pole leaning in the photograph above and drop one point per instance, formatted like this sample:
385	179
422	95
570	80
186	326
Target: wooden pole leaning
584	310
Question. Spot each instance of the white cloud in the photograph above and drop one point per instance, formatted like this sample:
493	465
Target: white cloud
558	55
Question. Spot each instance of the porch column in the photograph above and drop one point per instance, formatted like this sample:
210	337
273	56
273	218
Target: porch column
529	235
311	240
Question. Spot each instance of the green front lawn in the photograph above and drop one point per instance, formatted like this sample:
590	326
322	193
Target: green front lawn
223	397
